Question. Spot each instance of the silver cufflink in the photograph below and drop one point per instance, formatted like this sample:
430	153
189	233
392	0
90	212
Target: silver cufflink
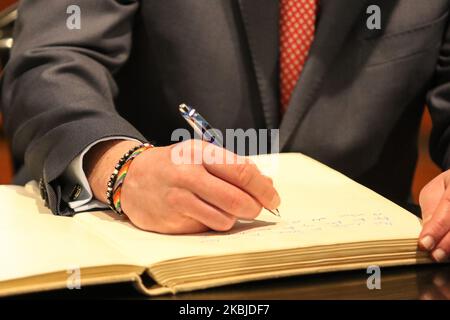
75	193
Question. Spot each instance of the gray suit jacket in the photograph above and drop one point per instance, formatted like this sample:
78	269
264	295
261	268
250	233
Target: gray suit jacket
357	106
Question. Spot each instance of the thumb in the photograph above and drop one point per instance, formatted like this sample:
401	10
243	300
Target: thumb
430	196
438	225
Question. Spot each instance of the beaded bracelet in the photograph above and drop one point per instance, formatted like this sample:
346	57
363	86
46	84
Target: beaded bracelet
115	182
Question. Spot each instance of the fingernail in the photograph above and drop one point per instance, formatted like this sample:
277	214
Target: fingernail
427	242
439	255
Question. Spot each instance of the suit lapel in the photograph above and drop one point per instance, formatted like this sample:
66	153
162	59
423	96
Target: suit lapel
260	19
336	20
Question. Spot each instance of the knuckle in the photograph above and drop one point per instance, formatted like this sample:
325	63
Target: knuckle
440	225
445	245
173	198
183	176
270	181
197	146
186	179
204	144
173	176
245	174
427	188
140	221
226	225
234	203
446	196
255	211
177	222
423	195
229	224
268	193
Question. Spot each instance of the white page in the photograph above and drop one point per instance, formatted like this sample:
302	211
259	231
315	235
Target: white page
319	207
34	241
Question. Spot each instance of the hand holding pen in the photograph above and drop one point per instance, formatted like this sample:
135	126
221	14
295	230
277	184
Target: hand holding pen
206	132
158	194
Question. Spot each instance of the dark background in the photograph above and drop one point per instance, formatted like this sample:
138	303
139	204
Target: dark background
425	171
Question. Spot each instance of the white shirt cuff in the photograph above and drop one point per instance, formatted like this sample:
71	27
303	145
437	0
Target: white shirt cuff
75	175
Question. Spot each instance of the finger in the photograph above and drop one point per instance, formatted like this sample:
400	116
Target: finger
244	174
206	214
442	251
430	197
441	283
438	226
175	224
432	294
185	225
224	196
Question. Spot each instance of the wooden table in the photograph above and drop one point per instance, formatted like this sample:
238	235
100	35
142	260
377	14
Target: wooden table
416	282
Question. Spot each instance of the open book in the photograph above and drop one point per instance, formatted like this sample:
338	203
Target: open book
328	223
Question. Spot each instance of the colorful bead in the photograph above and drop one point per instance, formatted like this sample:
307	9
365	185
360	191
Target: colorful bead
116	180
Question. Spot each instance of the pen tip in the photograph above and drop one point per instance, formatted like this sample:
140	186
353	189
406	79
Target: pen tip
275	212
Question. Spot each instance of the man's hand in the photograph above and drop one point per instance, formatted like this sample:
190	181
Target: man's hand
162	196
435	204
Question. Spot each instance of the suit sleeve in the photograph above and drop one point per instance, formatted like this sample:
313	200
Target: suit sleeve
438	101
58	89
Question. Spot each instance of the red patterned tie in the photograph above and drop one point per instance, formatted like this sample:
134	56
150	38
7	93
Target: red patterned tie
297	27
